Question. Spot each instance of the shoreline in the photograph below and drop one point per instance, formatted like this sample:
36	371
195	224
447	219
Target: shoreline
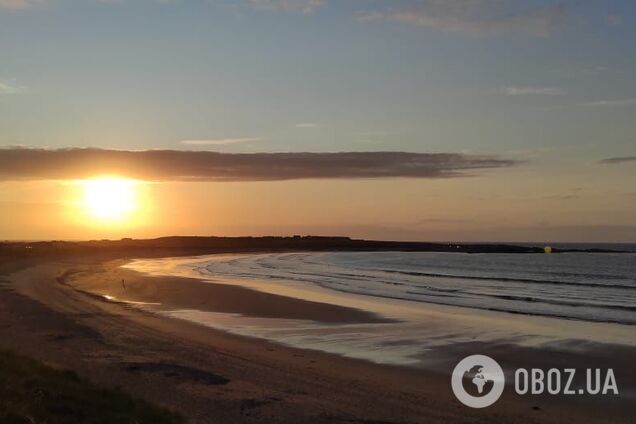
192	293
108	341
249	274
446	317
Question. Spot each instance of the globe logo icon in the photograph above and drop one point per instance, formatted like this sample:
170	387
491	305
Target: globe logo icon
478	381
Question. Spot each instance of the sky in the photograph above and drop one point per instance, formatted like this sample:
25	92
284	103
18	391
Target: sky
463	120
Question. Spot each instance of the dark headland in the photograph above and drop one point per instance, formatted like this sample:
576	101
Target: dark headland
191	245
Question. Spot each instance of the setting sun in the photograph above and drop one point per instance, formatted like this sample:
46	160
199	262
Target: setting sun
110	199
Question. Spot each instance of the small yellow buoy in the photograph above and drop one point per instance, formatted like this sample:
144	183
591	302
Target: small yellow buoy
547	249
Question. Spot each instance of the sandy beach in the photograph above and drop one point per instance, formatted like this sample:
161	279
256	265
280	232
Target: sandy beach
212	376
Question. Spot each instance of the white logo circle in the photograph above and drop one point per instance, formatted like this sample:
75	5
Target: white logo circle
482	370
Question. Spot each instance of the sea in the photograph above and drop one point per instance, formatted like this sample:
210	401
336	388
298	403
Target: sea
437	299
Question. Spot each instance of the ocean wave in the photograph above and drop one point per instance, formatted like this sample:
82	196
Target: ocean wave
485	282
508	279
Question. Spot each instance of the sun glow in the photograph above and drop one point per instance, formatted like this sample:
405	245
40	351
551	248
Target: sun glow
110	199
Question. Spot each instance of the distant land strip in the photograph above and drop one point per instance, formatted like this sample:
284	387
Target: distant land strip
181	245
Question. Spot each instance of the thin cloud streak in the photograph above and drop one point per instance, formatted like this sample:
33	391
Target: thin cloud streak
475	17
10	88
541	91
19	4
303	6
609	103
177	165
618	160
220	141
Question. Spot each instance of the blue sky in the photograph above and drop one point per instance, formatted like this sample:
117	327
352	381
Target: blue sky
547	82
137	74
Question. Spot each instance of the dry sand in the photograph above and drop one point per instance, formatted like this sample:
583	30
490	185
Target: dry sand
211	376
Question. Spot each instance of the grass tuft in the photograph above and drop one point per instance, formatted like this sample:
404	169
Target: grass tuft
31	392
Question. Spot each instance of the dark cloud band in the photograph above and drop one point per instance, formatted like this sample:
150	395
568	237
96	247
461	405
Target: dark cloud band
618	160
177	165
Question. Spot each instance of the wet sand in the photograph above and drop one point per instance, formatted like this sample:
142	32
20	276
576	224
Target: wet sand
115	283
212	376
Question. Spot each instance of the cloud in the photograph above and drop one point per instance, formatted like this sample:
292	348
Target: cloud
562	197
19	4
573	193
176	165
618	160
10	88
220	141
475	17
609	103
427	221
544	91
303	6
594	70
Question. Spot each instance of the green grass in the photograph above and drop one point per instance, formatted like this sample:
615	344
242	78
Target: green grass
31	392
